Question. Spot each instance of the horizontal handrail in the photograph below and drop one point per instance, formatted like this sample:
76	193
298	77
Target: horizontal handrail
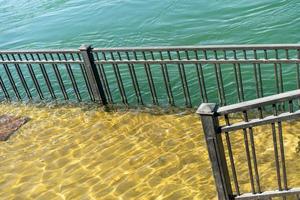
256	103
202	61
205	47
258	122
40	51
41	62
166	48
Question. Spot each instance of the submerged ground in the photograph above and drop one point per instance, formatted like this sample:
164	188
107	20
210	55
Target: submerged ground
70	152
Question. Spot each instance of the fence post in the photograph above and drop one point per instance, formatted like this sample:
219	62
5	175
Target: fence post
210	124
92	74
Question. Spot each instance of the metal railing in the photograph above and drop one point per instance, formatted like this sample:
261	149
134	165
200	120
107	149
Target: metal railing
33	74
174	76
221	124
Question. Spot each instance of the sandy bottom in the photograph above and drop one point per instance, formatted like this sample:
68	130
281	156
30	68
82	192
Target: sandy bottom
70	152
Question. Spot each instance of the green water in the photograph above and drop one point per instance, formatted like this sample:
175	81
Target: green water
107	23
43	24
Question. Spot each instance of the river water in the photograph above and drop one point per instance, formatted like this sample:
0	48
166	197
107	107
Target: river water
80	152
110	23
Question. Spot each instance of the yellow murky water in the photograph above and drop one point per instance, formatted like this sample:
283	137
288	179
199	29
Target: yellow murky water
74	152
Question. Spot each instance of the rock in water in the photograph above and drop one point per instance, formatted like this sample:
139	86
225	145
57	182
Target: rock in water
9	125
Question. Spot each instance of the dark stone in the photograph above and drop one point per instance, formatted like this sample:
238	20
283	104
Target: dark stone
9	125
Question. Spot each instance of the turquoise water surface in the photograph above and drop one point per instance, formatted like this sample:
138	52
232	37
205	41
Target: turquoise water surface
108	23
44	24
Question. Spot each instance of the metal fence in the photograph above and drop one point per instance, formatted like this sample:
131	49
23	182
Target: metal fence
224	123
49	74
165	76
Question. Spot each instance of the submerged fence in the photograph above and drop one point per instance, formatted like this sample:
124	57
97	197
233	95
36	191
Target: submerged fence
254	114
166	76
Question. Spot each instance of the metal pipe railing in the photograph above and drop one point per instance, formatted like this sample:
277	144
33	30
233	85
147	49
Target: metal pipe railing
165	76
253	113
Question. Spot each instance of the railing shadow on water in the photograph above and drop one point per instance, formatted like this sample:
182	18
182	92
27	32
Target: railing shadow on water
182	76
243	120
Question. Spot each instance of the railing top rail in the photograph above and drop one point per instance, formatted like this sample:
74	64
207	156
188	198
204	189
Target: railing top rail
167	48
258	122
196	61
39	51
256	103
205	47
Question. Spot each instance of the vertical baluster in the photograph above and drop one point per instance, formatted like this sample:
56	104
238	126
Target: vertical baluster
281	77
167	83
246	143
33	76
287	54
21	76
201	80
104	78
276	73
150	80
245	54
46	78
260	112
291	107
265	54
58	77
225	55
134	81
257	85
276	149
72	78
236	77
154	90
281	147
254	159
119	80
219	84
10	78
241	78
259	76
186	86
231	158
168	79
2	85
187	102
219	70
83	71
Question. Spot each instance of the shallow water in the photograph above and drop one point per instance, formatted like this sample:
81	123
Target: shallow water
69	152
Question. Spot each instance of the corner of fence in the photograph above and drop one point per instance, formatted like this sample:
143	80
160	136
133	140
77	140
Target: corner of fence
92	74
210	124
